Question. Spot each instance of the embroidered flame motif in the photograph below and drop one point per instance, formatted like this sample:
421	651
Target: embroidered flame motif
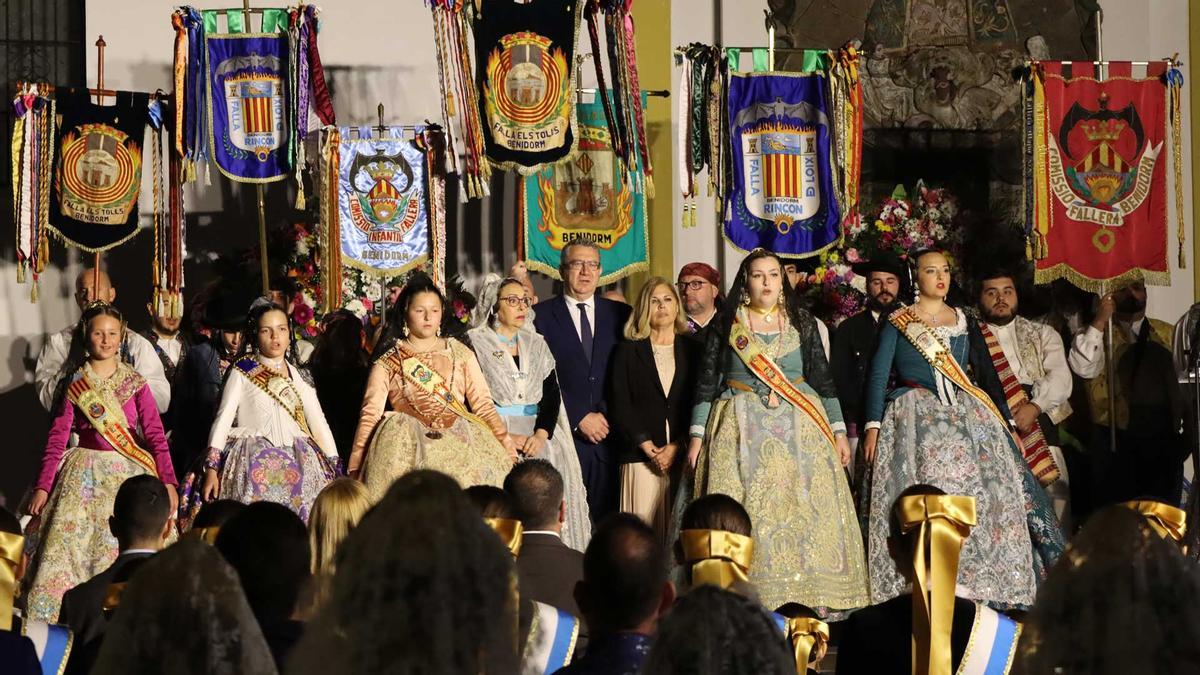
527	93
99	174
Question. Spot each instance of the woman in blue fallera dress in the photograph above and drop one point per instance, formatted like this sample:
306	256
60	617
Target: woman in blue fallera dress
945	422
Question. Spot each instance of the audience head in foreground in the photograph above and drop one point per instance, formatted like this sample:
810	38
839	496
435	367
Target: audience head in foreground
423	587
715	632
212	517
536	490
337	510
267	544
1122	600
141	514
624	586
184	613
714	544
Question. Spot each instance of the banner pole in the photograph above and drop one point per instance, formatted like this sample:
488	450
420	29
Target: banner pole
100	45
260	192
1101	72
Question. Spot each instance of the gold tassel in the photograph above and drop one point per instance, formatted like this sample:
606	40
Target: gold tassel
649	186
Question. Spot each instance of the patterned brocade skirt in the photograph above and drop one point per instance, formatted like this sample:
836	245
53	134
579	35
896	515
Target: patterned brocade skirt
964	450
467	452
73	542
778	464
253	469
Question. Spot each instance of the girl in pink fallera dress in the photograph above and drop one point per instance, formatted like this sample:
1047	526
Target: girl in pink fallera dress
109	407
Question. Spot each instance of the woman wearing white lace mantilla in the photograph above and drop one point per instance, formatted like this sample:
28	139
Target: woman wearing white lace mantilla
519	369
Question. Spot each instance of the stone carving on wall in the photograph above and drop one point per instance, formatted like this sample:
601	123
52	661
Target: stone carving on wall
940	64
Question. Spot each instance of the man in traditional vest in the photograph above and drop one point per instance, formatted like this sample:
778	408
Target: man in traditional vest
1032	365
169	342
136	350
1148	459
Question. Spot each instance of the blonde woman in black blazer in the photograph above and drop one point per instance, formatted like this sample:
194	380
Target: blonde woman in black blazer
653	381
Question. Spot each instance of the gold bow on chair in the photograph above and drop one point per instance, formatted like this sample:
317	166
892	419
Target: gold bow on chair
1164	519
944	521
11	548
717	557
805	634
509	531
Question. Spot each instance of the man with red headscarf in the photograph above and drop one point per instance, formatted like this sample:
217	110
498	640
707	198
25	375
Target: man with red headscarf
700	288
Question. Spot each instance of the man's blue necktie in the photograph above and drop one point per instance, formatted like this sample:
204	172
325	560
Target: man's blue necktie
585	330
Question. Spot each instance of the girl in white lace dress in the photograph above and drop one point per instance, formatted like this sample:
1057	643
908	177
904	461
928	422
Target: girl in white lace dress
270	440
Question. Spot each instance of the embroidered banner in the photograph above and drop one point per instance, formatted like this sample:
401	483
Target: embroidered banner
247	130
588	197
782	197
98	169
525	58
383	215
1099	176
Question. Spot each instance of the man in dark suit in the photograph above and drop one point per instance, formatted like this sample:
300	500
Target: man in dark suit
547	568
854	339
141	523
582	330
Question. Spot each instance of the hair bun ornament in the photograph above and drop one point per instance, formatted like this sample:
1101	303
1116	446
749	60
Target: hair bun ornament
488	291
97	304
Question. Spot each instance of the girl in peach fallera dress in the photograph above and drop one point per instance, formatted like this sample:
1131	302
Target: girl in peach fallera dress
444	418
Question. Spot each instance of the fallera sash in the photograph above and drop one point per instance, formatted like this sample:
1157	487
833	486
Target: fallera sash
278	388
96	409
52	643
429	381
752	352
1033	444
551	642
930	346
992	646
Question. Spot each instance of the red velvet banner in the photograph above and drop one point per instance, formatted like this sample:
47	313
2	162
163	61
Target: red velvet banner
1100	186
